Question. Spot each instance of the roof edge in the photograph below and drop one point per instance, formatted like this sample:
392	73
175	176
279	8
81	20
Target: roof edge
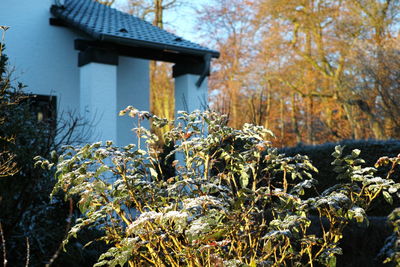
157	46
55	10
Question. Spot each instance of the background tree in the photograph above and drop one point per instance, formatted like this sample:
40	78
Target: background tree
230	25
161	82
106	2
311	71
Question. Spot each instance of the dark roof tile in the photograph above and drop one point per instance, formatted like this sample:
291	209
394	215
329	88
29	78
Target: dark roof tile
108	24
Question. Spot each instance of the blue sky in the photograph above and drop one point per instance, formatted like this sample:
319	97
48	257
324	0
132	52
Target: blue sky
182	20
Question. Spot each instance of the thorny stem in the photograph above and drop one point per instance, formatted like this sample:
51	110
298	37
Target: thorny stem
310	257
171	260
27	252
285	184
146	258
3	243
176	243
158	163
375	195
139	134
232	178
118	210
254	171
133	198
69	220
208	258
394	163
206	166
154	255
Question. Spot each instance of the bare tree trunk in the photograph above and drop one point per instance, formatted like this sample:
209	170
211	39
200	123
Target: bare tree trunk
158	16
268	105
282	106
294	120
234	110
375	125
310	127
310	104
350	118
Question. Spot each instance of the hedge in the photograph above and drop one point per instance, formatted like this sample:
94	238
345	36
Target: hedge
371	151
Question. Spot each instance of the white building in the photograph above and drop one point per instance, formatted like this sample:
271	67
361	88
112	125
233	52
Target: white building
95	60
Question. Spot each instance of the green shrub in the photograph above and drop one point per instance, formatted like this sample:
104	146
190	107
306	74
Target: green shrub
234	200
371	151
391	251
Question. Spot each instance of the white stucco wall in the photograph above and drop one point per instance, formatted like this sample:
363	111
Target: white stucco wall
188	96
133	90
43	55
98	94
107	89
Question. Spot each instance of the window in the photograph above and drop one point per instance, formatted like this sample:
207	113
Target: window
45	108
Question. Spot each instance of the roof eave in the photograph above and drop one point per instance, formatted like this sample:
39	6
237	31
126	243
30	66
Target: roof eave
55	10
158	46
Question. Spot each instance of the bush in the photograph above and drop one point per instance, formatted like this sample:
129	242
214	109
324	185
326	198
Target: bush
371	151
23	205
391	250
32	226
234	200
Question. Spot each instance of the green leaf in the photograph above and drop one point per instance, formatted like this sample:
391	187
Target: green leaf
332	261
355	153
338	152
340	169
244	179
99	171
359	161
153	173
337	162
101	263
388	197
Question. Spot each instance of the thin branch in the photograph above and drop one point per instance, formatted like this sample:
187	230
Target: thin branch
28	249
69	220
3	243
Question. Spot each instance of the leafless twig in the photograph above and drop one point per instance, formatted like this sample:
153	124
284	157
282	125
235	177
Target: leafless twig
3	243
28	252
69	220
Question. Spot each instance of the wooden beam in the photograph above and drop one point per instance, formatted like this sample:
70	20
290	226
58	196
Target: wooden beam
140	52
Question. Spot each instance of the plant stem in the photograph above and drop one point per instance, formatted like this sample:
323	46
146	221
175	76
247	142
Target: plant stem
3	243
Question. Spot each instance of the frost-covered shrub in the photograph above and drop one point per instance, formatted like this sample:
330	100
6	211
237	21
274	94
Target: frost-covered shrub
391	251
372	150
233	201
392	247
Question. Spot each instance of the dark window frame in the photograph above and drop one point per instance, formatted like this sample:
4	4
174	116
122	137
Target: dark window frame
44	107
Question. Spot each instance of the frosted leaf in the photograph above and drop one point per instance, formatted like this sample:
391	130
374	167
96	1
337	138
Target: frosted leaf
232	263
358	213
339	197
179	219
375	180
138	226
202	201
197	228
277	234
